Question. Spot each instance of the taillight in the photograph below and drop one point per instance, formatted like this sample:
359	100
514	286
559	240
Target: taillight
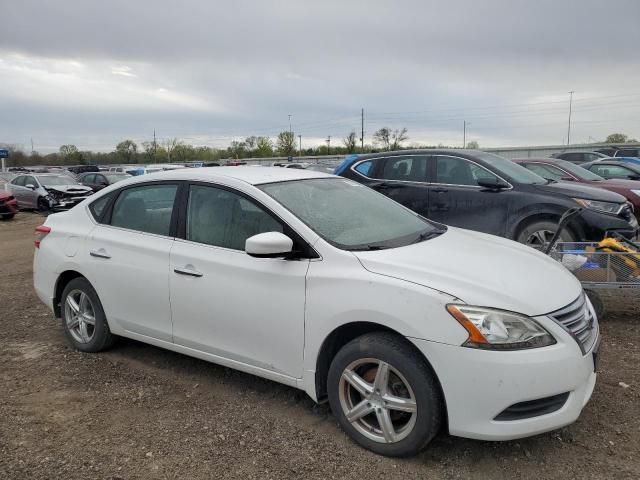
41	232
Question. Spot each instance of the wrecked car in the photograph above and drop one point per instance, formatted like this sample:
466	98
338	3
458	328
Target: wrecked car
47	192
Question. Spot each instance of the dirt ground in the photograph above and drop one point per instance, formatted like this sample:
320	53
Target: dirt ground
137	411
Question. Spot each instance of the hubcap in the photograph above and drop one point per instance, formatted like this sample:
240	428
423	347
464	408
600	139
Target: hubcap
377	400
79	316
540	238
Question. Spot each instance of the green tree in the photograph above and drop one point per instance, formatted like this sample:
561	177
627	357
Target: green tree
286	143
66	150
473	144
617	138
169	145
127	150
264	147
237	149
150	150
350	142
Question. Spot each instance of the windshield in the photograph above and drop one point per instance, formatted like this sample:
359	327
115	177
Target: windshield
578	171
350	215
48	181
512	171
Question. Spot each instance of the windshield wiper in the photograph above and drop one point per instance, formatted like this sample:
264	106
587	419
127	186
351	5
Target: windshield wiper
368	248
428	235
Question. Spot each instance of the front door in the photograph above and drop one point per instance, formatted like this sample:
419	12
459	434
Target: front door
456	199
227	303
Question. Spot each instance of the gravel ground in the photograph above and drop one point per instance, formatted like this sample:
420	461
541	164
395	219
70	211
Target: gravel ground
137	411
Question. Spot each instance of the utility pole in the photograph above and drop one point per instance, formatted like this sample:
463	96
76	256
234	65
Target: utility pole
465	124
569	127
300	138
329	145
362	131
32	146
154	145
290	130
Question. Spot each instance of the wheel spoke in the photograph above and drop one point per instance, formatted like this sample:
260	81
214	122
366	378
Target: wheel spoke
382	378
88	319
360	410
72	304
73	323
84	334
82	304
400	404
386	425
357	382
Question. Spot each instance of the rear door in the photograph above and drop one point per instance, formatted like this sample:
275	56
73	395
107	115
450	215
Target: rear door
403	178
16	187
456	199
127	258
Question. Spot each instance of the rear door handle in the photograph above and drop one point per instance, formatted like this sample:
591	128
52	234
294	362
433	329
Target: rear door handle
188	270
101	253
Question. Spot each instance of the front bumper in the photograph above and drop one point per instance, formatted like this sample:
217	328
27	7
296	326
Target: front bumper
595	226
480	384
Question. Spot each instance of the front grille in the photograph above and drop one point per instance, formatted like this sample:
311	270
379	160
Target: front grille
532	408
580	321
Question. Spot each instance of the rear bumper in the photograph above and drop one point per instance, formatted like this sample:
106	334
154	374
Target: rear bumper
479	385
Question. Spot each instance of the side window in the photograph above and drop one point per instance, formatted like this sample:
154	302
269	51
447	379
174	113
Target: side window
411	169
627	152
19	181
31	181
365	168
573	157
545	171
611	171
97	207
147	208
222	218
91	178
458	171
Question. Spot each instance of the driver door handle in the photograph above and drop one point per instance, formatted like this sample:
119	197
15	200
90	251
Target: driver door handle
188	270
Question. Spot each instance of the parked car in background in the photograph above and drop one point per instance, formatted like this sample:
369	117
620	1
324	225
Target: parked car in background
419	314
78	169
8	205
620	151
610	169
47	192
631	160
579	157
97	181
562	170
487	193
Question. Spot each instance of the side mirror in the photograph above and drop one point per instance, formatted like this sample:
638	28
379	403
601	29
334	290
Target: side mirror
30	186
268	245
634	177
492	183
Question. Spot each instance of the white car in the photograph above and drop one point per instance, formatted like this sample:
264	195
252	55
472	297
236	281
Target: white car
323	284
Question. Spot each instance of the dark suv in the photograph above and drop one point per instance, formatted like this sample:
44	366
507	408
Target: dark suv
487	193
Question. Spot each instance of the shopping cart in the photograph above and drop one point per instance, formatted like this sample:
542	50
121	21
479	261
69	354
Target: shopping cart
613	263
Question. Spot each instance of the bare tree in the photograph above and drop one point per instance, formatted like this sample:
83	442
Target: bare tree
169	145
350	142
127	149
473	145
397	137
383	137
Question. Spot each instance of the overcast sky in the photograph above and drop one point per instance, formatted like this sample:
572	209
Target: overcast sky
93	73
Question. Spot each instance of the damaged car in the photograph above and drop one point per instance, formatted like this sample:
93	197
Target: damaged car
47	192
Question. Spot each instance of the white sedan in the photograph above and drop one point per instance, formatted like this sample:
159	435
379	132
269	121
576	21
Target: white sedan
323	284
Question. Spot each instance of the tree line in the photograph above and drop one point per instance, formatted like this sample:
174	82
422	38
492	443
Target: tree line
174	150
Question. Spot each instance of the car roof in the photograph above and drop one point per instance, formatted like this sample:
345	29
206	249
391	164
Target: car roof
422	151
250	174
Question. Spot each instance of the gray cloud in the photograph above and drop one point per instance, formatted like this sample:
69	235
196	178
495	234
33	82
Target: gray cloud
92	72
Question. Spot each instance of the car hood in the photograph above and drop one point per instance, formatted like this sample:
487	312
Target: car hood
580	191
71	189
480	269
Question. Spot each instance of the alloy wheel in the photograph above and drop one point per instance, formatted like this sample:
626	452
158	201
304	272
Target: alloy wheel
540	238
377	400
80	316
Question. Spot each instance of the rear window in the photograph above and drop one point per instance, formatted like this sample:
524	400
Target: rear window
146	208
97	207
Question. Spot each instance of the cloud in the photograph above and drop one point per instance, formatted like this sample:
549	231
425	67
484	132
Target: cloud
93	72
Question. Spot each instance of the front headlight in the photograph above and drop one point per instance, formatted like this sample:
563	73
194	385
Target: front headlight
598	206
499	330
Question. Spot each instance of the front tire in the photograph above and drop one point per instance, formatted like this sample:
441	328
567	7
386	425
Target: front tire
43	205
539	234
83	320
385	395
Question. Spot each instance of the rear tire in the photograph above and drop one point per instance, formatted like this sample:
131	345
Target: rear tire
389	393
83	320
8	216
538	234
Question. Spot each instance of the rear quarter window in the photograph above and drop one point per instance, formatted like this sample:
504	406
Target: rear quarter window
97	207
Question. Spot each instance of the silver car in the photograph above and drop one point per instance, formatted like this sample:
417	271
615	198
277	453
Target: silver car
47	192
